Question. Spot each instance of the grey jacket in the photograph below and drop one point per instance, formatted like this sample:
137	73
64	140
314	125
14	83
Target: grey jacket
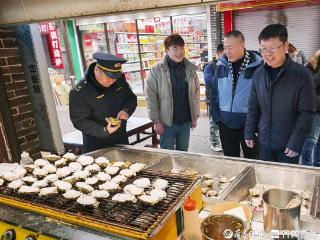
159	92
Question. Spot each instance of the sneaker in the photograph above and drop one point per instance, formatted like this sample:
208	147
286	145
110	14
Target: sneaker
216	147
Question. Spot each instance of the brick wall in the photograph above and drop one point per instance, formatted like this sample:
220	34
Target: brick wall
12	74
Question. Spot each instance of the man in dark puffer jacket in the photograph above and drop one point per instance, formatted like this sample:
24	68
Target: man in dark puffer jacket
282	100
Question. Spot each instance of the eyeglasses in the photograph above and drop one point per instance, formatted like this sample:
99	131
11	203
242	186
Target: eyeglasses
271	50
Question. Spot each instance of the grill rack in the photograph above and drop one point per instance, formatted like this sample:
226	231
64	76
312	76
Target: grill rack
138	217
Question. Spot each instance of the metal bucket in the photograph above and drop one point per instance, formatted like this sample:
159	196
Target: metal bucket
277	215
222	227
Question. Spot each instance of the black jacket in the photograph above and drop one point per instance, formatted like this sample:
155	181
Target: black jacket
316	79
283	110
90	104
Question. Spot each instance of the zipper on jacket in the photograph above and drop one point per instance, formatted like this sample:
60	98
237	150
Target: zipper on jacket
234	91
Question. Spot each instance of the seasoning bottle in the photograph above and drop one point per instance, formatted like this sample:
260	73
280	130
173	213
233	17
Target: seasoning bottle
191	221
25	159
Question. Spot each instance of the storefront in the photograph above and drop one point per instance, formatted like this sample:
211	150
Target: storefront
139	39
301	20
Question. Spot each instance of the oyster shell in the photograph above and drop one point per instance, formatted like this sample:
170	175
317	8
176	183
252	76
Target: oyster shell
142	182
103	177
191	172
102	162
159	193
204	190
92	168
51	178
119	179
50	168
40	172
75	166
28	190
127	173
124	197
211	193
254	192
81	174
137	167
1	182
207	176
83	187
30	167
222	179
62	185
306	195
133	190
29	179
208	182
85	160
40	184
92	180
61	163
72	194
256	202
71	179
51	157
48	191
109	186
100	194
161	183
63	172
87	200
41	162
150	199
15	184
119	164
111	170
70	156
175	170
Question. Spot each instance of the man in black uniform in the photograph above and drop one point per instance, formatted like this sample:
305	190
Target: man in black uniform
102	93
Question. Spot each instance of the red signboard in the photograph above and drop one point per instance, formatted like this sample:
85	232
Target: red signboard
50	29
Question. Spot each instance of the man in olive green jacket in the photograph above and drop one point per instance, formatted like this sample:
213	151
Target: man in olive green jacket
173	96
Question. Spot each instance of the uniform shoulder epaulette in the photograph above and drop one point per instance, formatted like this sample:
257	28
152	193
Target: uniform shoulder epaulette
80	85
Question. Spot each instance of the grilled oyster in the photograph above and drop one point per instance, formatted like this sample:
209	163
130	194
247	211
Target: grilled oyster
92	168
211	193
175	170
142	182
87	201
72	194
100	194
102	162
161	183
1	182
40	184
119	179
118	164
232	179
208	182
133	190
191	172
51	157
103	177
30	167
124	197
207	176
62	185
70	179
127	173
15	174
150	199
40	172
159	193
254	192
83	187
41	162
75	166
81	174
70	157
306	195
61	163
204	190
109	186
85	160
92	180
28	190
222	179
224	185
137	167
29	179
48	191
50	168
63	172
111	170
15	184
51	178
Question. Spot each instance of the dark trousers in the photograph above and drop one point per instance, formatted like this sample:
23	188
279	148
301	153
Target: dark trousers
231	139
267	154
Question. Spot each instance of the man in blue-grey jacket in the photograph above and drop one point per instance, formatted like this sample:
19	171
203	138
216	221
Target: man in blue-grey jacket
230	92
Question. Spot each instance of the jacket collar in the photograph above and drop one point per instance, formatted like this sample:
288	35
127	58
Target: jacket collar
286	64
255	60
190	68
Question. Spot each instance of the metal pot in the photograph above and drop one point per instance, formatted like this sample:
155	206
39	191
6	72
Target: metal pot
222	227
277	215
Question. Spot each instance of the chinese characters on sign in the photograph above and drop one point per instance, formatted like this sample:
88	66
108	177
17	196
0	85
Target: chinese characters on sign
50	30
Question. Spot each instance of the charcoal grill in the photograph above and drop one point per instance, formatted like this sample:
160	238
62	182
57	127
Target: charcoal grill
137	220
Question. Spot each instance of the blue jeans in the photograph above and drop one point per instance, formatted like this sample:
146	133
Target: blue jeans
310	142
316	159
177	135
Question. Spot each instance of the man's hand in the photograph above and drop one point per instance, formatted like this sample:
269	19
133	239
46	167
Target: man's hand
123	115
250	143
194	124
111	129
158	127
290	153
